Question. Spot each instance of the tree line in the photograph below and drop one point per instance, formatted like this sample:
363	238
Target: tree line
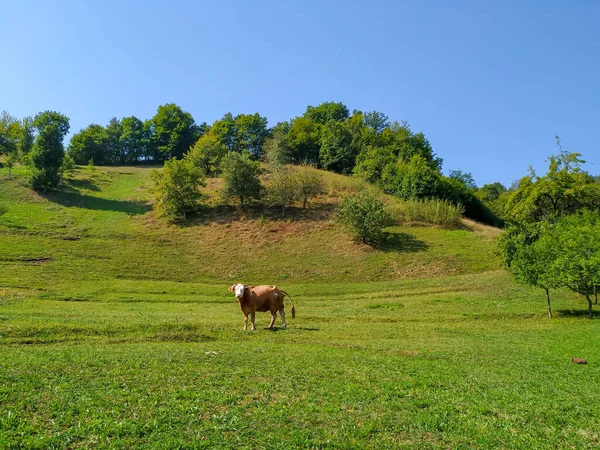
328	136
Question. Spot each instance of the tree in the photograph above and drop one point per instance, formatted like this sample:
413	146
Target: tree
310	184
276	150
464	178
176	188
135	140
9	133
48	152
304	141
174	131
207	153
364	216
224	130
26	137
326	112
576	240
251	132
532	261
491	192
414	179
91	143
10	162
564	190
282	188
240	175
114	149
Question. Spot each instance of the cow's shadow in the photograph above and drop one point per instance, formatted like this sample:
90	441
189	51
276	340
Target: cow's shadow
276	329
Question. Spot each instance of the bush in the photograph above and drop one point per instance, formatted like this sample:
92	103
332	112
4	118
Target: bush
310	184
434	212
240	175
283	188
364	216
176	188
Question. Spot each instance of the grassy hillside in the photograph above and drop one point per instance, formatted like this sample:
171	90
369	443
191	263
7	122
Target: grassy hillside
117	331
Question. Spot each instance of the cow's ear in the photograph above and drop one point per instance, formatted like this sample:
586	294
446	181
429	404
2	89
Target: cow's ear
231	288
246	287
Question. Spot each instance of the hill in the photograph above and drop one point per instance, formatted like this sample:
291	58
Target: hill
117	330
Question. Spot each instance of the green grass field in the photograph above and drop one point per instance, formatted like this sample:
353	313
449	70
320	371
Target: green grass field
117	331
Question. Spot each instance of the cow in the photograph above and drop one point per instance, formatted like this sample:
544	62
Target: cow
262	299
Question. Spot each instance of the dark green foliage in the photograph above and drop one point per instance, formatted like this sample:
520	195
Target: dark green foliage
176	188
414	179
9	133
89	144
134	140
464	178
174	131
26	137
491	192
114	149
242	133
327	112
240	175
364	216
48	152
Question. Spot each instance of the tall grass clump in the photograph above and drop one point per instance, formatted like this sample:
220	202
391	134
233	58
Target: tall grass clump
429	211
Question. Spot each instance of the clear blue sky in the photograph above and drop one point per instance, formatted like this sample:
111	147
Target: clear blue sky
489	82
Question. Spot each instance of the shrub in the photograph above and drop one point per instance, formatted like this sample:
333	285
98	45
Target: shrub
240	175
364	216
310	184
176	188
282	188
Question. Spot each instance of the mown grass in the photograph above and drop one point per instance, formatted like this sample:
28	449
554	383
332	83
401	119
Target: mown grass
117	331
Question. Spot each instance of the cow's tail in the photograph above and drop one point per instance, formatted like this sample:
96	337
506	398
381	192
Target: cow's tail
293	308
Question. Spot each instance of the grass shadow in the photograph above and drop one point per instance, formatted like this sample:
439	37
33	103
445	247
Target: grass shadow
74	184
577	313
74	198
401	243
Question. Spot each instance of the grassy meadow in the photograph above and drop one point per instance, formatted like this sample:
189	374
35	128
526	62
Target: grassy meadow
117	331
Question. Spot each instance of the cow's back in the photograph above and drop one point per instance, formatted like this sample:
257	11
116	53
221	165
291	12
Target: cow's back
266	298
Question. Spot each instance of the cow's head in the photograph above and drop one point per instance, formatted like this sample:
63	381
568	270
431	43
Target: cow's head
239	289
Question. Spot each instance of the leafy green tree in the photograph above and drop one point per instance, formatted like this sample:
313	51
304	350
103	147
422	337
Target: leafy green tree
414	179
91	143
337	153
375	120
326	112
532	261
310	184
282	188
224	129
372	161
304	141
134	140
174	131
464	178
364	216
176	188
114	149
10	162
491	192
251	132
207	153
26	137
564	190
48	152
576	241
276	150
9	133
240	175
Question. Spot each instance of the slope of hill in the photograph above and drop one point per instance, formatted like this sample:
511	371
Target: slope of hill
117	331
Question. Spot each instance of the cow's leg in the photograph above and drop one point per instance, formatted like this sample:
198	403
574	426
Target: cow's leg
252	314
245	321
282	314
273	317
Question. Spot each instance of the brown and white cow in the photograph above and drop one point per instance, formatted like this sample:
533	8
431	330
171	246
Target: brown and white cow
262	299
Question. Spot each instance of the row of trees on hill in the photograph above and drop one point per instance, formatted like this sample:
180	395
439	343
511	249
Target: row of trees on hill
553	234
